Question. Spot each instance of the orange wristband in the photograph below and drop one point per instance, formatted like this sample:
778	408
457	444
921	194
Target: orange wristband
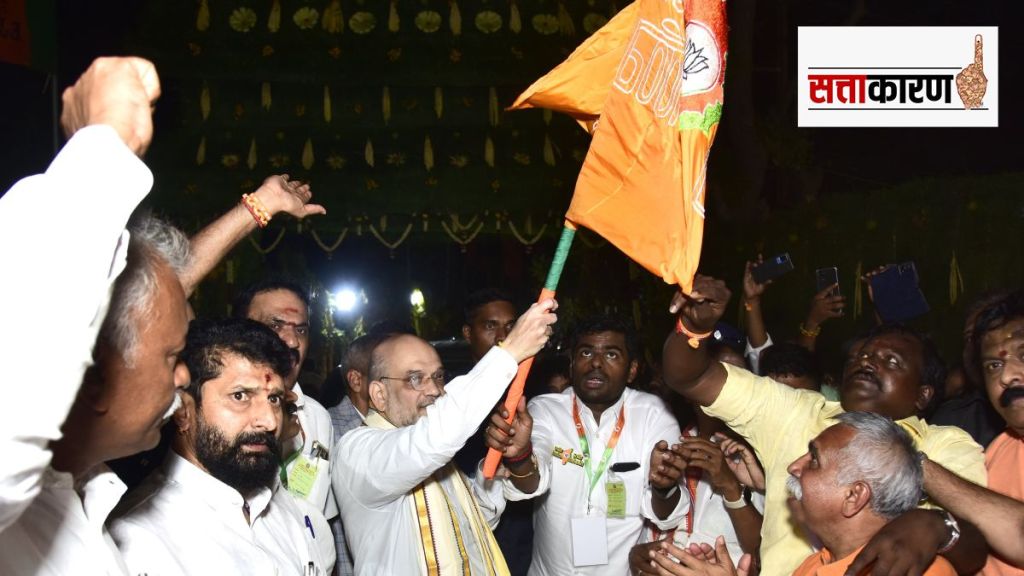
693	338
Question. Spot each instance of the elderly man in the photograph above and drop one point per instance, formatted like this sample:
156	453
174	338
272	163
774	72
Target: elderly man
108	340
407	509
594	458
892	371
999	340
856	477
216	505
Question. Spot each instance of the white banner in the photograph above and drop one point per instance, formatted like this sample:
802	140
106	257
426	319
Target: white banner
898	76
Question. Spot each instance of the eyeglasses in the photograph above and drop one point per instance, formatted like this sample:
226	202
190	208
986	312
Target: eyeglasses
417	379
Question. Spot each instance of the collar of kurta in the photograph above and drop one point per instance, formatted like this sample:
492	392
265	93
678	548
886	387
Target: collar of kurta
201	485
610	413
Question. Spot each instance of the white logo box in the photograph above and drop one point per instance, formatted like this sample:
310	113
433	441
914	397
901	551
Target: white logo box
896	76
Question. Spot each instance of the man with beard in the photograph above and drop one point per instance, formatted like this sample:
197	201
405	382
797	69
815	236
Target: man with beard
91	368
595	458
406	507
999	341
217	506
892	371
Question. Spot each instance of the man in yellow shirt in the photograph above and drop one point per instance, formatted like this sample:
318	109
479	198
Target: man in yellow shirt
892	372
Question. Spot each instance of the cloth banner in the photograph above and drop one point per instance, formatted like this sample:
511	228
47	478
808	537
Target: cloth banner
649	86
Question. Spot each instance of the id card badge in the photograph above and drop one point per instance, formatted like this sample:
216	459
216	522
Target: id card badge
301	476
615	490
589	541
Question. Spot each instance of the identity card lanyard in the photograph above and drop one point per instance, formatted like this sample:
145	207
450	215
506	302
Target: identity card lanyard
594	476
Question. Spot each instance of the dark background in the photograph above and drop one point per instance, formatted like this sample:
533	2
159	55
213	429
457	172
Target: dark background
851	198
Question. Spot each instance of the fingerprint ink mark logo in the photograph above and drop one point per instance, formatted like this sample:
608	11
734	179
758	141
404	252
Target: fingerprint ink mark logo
971	82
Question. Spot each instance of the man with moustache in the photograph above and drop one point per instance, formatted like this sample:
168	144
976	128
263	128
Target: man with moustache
594	458
856	476
892	371
217	505
999	341
101	311
406	507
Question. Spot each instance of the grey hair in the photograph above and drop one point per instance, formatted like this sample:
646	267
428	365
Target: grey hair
884	456
152	242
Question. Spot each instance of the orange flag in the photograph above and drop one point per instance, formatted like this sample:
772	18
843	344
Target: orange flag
649	87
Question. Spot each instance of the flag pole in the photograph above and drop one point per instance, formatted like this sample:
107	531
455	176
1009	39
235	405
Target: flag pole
515	391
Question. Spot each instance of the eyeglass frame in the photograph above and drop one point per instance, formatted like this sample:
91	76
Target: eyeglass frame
438	377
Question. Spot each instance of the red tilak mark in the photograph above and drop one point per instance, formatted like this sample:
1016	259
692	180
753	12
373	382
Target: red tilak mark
267	376
292	310
1002	353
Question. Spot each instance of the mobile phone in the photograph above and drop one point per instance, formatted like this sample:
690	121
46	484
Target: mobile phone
896	293
825	277
771	268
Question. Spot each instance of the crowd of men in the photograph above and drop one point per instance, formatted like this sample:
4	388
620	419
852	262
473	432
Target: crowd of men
734	458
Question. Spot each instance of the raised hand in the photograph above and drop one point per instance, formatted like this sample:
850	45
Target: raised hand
751	289
742	461
532	330
118	92
280	194
704	306
824	305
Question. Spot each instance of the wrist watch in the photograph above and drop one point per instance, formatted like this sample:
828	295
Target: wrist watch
954	533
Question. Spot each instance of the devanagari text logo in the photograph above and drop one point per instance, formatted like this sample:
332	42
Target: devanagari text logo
898	76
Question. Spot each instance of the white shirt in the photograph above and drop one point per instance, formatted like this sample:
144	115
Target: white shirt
64	533
316	427
56	292
711	519
562	492
182	520
375	471
753	355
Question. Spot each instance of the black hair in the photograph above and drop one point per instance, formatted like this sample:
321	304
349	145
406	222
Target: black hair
789	358
607	323
482	297
997	308
995	315
932	365
209	340
360	351
240	309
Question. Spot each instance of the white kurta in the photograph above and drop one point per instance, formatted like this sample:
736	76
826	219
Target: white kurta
183	521
56	290
562	492
375	471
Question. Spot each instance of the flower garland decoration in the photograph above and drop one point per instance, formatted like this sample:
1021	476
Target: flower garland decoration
269	249
362	22
329	249
428	21
333	21
528	242
242	20
306	17
488	21
461	241
383	228
546	24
